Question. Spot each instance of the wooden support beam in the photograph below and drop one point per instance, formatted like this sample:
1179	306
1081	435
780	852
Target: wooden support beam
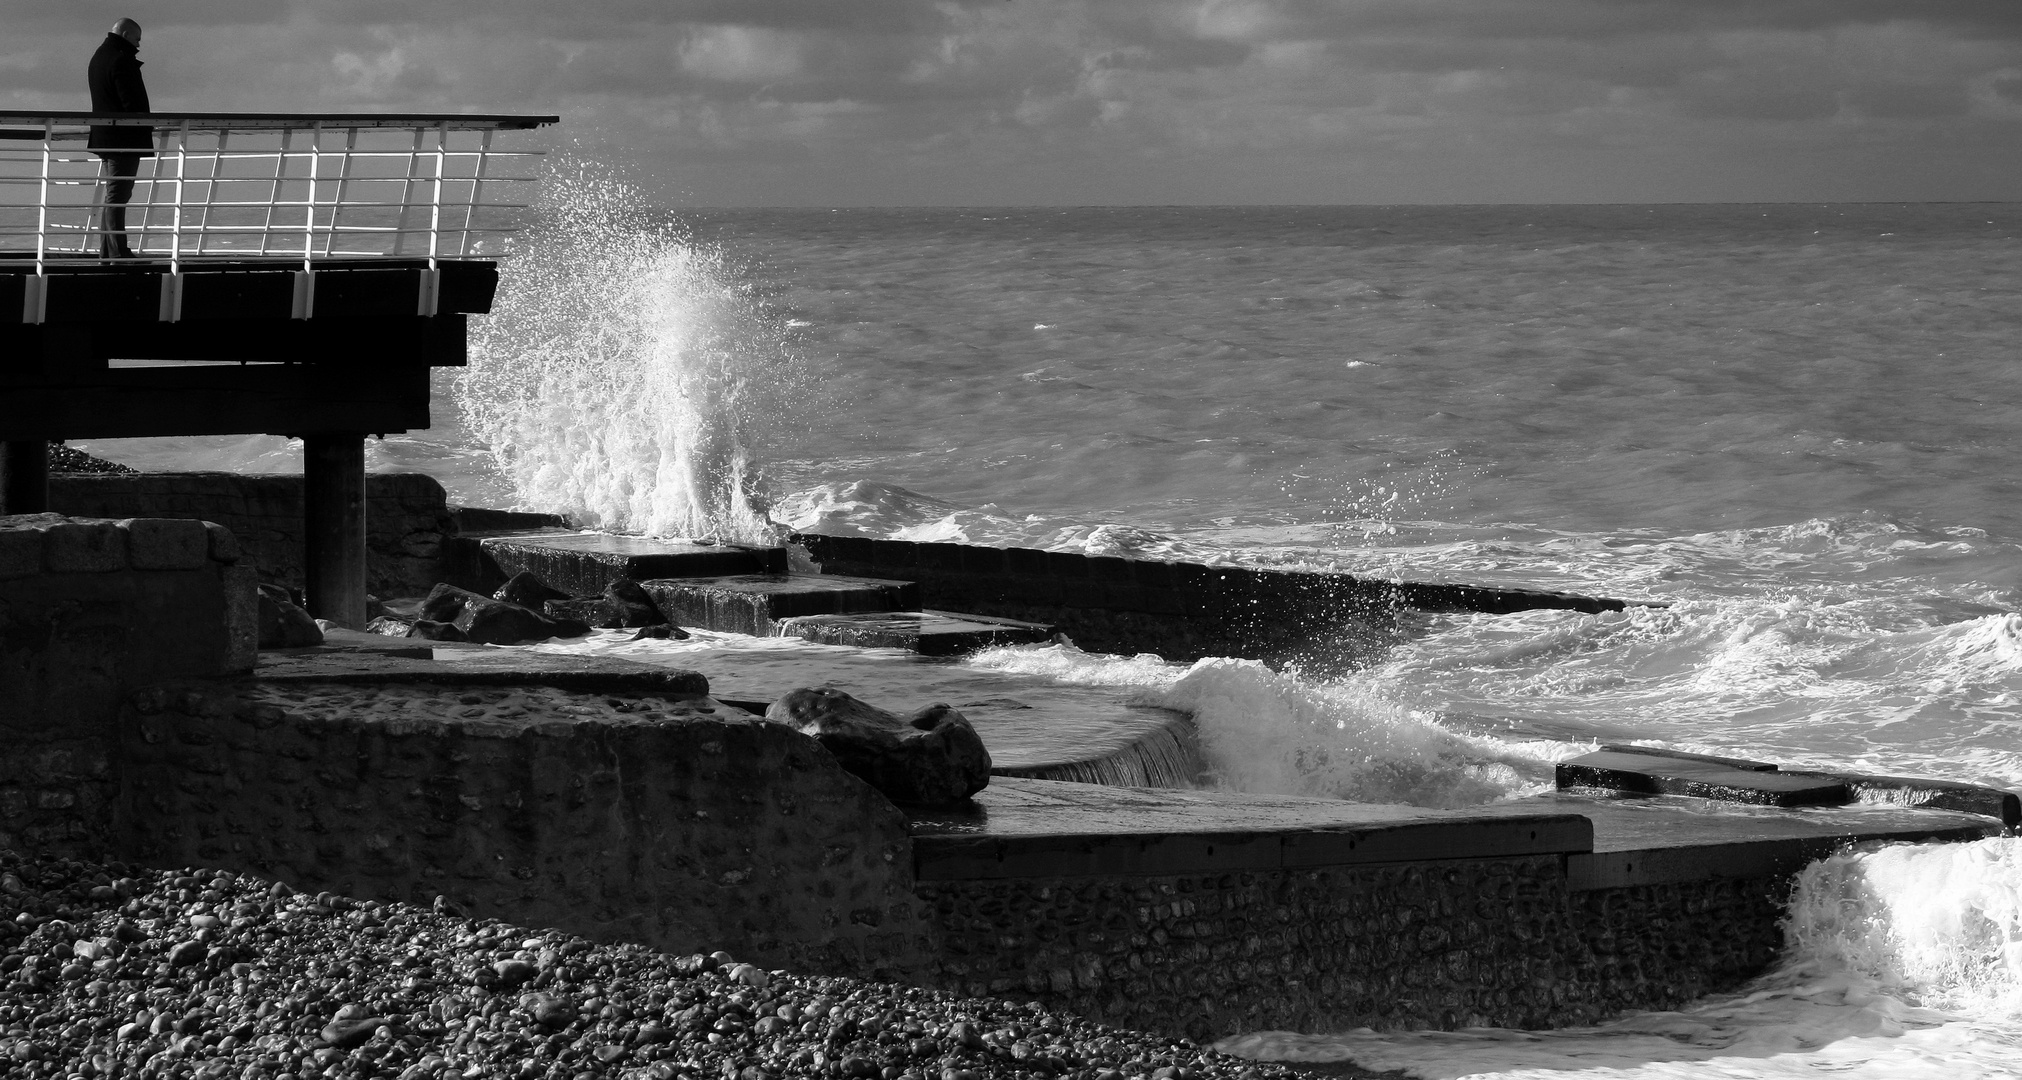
333	533
277	399
24	476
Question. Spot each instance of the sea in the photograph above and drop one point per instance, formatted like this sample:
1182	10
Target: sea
1794	429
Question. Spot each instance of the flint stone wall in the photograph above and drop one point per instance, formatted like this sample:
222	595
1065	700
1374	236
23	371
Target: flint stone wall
88	611
406	518
1499	942
1182	611
667	820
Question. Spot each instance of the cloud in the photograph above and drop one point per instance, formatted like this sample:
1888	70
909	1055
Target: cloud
1065	100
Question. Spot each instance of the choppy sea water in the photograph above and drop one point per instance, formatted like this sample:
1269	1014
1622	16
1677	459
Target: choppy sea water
1799	426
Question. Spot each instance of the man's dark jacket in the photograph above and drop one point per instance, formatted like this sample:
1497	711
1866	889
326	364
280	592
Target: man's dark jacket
116	88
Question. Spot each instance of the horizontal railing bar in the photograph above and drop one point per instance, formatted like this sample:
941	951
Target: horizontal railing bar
285	121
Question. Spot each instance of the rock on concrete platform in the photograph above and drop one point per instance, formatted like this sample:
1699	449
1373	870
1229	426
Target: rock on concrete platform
754	603
1033	726
581	564
929	633
1702	777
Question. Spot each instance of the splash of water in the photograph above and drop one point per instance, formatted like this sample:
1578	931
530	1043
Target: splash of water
1901	963
1275	733
624	379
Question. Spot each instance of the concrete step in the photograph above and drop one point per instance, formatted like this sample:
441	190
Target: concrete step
581	564
756	603
929	633
1725	779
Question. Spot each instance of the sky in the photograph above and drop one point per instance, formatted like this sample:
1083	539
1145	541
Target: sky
1049	102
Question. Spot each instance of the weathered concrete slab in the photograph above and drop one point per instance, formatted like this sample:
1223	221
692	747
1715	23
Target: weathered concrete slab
2003	806
929	633
352	657
1022	828
755	603
1701	777
1642	770
1662	840
581	564
1035	829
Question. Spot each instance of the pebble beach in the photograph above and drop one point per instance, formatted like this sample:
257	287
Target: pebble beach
111	970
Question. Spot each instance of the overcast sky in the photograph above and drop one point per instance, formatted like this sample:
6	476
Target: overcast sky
995	102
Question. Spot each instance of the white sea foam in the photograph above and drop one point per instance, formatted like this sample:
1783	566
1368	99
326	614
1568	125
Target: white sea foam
624	379
1274	733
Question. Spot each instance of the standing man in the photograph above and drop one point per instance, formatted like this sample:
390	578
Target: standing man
116	88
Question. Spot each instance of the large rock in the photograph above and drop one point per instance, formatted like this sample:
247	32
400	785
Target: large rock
486	621
623	606
282	624
932	757
528	591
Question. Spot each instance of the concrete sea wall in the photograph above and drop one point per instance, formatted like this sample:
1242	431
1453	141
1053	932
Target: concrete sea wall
621	802
406	518
1434	944
1182	611
638	813
90	610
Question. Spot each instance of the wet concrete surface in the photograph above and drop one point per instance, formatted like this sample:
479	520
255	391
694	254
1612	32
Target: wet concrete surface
1028	723
1020	827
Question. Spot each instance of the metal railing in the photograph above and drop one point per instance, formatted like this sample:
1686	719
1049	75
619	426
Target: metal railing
267	186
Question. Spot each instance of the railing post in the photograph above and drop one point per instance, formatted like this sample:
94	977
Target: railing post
435	207
211	189
407	192
343	185
315	171
274	188
476	186
333	526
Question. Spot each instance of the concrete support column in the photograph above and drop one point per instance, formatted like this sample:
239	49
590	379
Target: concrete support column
333	526
24	476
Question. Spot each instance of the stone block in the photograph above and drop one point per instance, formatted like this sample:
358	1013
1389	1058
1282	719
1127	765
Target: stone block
1025	562
241	586
84	547
894	555
751	604
166	543
582	564
20	550
1705	778
945	558
989	561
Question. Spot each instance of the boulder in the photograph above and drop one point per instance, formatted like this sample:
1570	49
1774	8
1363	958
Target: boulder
932	757
282	624
663	631
487	621
622	606
527	591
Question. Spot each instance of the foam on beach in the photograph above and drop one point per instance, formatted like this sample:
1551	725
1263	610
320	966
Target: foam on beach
1902	963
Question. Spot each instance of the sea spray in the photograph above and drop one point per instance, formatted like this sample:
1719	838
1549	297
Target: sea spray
1278	733
624	379
1902	961
1940	924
